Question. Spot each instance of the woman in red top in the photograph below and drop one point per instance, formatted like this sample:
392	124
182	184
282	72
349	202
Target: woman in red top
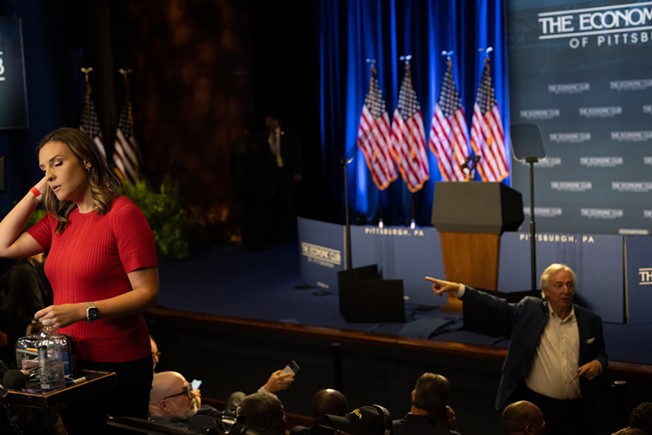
103	268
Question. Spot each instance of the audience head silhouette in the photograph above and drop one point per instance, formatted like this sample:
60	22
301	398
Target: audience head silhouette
430	395
523	417
365	420
641	417
327	401
263	410
630	431
172	396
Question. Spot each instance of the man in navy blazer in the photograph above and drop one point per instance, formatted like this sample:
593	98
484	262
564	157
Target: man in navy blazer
556	349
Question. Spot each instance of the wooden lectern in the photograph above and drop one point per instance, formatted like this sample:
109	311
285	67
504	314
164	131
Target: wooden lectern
470	217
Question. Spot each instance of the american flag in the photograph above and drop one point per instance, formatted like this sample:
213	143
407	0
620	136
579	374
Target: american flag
90	123
126	157
408	137
373	135
449	136
487	136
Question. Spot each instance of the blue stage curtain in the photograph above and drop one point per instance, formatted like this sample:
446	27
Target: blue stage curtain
352	31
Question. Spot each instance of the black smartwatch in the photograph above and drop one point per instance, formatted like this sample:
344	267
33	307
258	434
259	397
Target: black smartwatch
92	313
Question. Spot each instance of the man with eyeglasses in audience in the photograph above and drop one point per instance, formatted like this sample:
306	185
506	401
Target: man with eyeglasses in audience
172	401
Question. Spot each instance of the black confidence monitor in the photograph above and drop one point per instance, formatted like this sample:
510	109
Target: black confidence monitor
527	144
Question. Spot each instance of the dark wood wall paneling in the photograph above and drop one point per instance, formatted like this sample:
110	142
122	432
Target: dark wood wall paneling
202	71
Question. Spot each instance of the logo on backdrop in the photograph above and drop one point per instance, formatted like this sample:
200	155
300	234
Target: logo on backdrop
601	162
321	255
630	85
602	26
645	275
631	186
569	88
600	112
544	212
539	114
633	232
572	137
571	186
631	136
602	213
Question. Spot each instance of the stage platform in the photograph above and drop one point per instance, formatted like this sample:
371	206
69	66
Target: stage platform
229	280
230	316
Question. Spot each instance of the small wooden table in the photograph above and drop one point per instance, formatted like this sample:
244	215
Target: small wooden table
95	381
43	409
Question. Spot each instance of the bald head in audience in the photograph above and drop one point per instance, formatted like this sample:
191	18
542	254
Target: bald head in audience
172	396
327	401
523	417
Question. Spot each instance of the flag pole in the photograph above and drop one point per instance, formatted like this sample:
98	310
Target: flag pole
381	224
130	111
487	65
347	216
125	77
413	224
86	72
87	83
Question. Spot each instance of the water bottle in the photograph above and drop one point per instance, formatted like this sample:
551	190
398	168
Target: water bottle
51	349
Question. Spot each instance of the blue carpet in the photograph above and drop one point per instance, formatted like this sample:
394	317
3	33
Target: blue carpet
266	285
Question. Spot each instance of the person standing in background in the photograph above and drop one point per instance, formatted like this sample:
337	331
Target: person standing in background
253	176
103	268
22	293
286	149
556	349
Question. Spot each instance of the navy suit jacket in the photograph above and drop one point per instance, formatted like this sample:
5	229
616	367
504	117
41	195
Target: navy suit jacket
527	319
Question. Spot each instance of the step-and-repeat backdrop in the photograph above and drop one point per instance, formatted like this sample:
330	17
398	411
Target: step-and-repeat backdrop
582	72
